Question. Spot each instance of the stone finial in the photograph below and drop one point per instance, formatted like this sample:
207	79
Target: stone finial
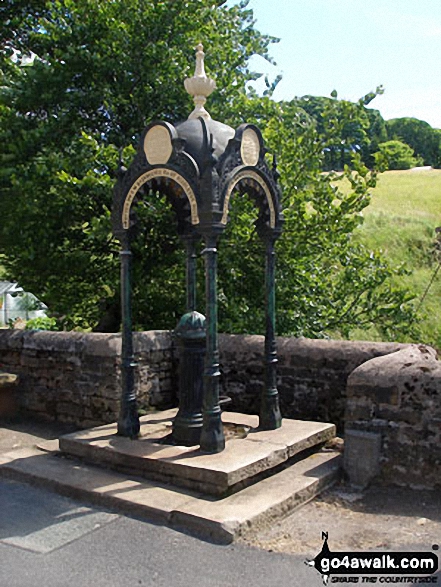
199	86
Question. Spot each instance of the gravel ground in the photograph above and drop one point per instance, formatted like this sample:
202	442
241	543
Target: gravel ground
376	519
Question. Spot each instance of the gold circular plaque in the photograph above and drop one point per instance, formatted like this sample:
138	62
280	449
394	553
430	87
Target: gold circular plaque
157	145
250	147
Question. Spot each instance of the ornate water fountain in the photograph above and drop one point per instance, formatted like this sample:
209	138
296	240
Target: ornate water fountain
167	473
199	165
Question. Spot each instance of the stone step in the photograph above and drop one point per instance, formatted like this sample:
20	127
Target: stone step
249	455
219	520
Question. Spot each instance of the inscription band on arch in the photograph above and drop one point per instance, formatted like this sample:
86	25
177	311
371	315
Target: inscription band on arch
158	173
247	174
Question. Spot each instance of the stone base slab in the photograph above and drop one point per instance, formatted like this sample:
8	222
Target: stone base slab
250	453
218	520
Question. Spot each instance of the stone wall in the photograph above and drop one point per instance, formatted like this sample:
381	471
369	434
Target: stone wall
395	402
76	377
312	374
385	396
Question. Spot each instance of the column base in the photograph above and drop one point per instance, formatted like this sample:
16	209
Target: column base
270	417
187	429
212	436
128	423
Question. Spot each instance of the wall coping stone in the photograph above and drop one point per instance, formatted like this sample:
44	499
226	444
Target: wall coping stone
354	351
396	368
108	344
151	340
398	397
82	343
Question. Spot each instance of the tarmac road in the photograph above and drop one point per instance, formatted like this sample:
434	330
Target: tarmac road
50	541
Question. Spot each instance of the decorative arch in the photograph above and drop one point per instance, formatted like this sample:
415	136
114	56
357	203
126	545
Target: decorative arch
159	173
255	178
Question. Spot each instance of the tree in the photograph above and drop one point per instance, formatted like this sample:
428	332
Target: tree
84	78
342	120
79	81
394	155
419	135
377	134
354	128
327	283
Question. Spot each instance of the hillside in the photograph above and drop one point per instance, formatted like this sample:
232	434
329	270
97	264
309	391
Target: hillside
401	221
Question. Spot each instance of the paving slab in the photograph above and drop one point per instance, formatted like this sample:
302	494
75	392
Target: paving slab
220	520
36	521
244	458
94	484
296	435
261	504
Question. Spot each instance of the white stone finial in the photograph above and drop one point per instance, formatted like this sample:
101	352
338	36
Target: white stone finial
199	86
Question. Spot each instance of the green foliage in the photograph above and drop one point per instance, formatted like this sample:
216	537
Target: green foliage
393	155
344	124
85	79
401	222
326	283
42	323
354	128
98	72
419	135
2	269
377	134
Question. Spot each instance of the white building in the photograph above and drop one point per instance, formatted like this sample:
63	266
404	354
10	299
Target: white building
16	303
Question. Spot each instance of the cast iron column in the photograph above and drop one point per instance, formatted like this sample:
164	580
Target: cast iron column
270	417
190	249
212	437
128	422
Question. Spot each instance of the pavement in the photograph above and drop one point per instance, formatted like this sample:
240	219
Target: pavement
47	540
52	541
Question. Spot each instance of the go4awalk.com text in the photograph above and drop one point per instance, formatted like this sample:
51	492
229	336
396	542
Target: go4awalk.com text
391	568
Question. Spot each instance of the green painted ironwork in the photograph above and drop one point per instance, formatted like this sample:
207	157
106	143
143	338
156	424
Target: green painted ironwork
191	263
128	423
270	417
212	437
198	165
190	336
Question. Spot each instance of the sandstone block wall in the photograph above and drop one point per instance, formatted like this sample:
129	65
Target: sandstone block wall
398	398
312	374
76	377
366	388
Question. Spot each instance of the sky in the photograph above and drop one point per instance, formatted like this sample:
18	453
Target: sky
353	46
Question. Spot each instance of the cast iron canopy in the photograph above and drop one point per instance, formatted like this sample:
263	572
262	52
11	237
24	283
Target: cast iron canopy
192	132
198	164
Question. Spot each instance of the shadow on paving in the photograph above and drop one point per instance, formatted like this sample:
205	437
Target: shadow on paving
36	428
39	521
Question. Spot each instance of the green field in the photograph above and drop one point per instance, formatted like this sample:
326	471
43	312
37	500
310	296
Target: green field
401	221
